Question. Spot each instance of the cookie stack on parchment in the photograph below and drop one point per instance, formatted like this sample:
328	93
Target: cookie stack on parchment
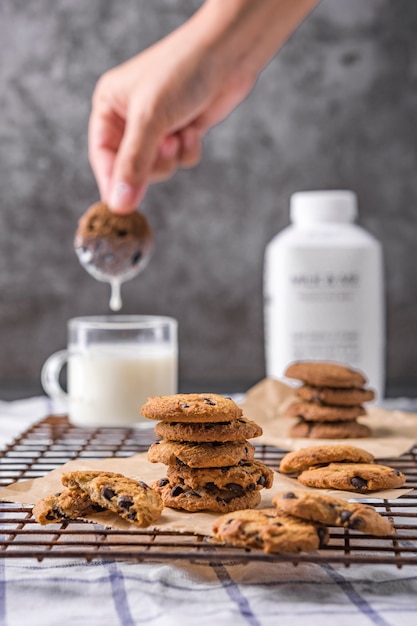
204	442
330	401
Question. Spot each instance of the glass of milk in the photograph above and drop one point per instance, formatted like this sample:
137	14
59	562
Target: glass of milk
114	363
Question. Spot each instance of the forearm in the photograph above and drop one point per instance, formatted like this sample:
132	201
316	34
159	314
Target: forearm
248	33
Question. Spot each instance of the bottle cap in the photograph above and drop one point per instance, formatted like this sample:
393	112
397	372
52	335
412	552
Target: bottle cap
309	207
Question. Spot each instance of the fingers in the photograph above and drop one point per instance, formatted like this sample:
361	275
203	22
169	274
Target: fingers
126	157
182	150
133	162
105	131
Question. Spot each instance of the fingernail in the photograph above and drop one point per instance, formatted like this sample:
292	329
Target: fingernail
122	196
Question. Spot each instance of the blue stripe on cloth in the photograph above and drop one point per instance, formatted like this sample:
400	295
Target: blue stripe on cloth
357	600
119	594
234	593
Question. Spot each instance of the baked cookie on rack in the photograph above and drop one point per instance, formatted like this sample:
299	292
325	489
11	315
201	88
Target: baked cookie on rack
331	511
269	530
132	500
66	505
357	477
299	460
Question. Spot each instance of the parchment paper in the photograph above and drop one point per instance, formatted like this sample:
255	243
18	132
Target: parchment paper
393	432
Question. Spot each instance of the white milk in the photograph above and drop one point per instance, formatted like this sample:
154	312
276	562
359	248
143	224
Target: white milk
108	384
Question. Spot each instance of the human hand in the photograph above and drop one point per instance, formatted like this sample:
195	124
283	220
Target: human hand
150	114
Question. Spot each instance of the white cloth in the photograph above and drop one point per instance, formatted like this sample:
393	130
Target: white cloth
59	592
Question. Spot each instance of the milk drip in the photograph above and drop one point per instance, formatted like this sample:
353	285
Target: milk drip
324	289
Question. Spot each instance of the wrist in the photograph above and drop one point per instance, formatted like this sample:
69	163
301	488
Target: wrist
246	34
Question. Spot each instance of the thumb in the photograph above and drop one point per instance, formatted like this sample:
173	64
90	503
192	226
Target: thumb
133	162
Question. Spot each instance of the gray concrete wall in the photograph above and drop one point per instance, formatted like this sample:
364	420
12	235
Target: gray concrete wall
336	108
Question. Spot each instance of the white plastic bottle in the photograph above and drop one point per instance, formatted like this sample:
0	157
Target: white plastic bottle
324	289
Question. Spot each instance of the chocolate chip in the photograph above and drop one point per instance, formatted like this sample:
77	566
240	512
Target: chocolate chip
125	502
185	406
122	233
251	487
209	401
179	462
237	489
162	482
193	493
358	482
143	485
321	532
176	491
344	516
211	487
50	516
136	257
132	515
261	481
356	523
397	472
227	495
108	493
289	495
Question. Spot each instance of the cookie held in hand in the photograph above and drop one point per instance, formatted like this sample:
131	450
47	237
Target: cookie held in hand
111	245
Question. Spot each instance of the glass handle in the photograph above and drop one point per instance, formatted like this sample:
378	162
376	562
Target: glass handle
50	374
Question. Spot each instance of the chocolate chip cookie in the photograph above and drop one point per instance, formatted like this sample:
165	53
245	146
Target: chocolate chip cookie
132	500
332	511
111	243
200	454
247	475
357	477
300	460
330	430
191	407
269	530
316	412
337	397
325	374
66	505
178	496
236	430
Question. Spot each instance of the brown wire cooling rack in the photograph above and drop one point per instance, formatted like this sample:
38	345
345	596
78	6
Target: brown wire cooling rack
53	442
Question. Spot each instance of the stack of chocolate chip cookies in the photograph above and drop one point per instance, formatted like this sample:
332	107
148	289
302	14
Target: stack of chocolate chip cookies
211	464
330	401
